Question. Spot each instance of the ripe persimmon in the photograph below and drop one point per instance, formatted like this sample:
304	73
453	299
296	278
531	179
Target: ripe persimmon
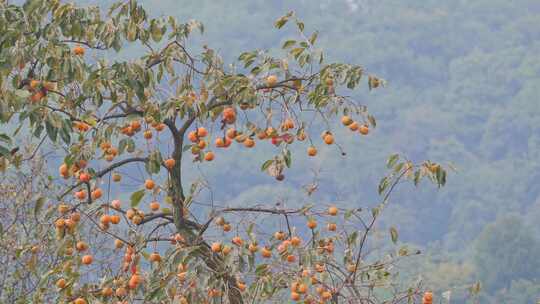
61	283
312	151
155	257
328	139
169	163
97	193
149	184
202	132
229	115
271	80
192	136
363	129
216	247
346	120
333	210
78	50
209	156
87	259
154	206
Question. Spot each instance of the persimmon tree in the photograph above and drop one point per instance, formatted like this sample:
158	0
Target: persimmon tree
103	116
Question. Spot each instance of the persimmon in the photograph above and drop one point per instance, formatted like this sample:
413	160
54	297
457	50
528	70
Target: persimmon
427	298
63	208
135	125
81	246
116	204
249	143
289	123
155	257
192	136
354	126
159	127
97	193
61	283
121	292
266	252
75	216
319	268
116	177
333	210
326	295
291	258
280	235
87	259
149	184
118	244
363	129
261	135
312	151
79	301
37	96
216	247
231	133
115	219
312	224
137	219
346	120
34	84
295	296
169	163
331	227
229	115
237	241
295	241
70	224
147	134
60	223
154	206
329	81
226	250
202	132
64	170
302	288
201	144
220	221
107	292
328	139
253	248
130	213
241	286
209	156
271	80
227	227
78	50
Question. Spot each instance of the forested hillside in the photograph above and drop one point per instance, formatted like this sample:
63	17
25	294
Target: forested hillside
463	88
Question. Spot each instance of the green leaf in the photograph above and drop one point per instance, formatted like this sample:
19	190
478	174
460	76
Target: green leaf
266	164
288	44
136	197
392	160
287	158
52	131
39	205
394	234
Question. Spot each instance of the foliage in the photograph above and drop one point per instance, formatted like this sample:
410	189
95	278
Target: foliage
167	243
